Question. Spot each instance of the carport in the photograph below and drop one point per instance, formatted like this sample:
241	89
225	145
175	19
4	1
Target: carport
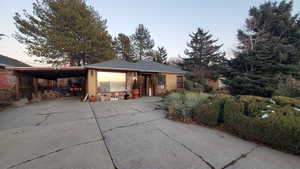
27	77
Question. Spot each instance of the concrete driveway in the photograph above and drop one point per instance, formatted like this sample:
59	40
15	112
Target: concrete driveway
69	134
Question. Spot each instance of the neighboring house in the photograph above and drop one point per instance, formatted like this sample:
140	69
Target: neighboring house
8	79
216	84
111	80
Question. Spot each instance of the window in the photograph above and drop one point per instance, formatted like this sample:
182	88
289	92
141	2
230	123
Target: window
180	82
111	82
162	81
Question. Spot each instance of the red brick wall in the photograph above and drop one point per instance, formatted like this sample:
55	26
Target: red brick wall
7	79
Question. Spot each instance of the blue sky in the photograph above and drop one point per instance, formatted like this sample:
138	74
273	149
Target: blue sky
169	21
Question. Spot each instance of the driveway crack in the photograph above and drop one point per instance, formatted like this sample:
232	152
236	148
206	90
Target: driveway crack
117	115
243	155
187	148
134	124
102	135
52	152
46	116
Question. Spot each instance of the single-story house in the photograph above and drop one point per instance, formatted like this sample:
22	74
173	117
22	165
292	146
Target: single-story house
111	80
117	76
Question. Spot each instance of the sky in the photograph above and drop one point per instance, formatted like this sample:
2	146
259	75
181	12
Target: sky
169	21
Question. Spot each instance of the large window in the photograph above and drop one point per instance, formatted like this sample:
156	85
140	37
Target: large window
111	81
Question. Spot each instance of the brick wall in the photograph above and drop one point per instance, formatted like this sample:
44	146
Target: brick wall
7	79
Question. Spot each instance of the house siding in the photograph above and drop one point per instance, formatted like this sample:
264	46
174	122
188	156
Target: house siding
92	82
171	83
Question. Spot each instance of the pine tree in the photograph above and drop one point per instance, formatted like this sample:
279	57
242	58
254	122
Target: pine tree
123	47
64	32
142	42
268	48
160	55
203	52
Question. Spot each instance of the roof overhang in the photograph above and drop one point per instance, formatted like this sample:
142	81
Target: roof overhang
110	68
63	72
50	72
133	70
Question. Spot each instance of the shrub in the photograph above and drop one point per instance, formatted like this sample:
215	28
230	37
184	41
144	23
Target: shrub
247	99
246	127
135	84
284	101
211	111
174	103
188	84
183	103
274	122
192	99
280	128
207	113
232	109
253	105
285	134
193	86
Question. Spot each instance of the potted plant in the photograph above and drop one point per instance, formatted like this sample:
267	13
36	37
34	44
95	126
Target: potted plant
93	98
135	90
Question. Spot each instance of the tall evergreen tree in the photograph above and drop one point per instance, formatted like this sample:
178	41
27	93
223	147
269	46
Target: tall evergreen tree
160	55
268	48
203	52
123	47
142	42
64	32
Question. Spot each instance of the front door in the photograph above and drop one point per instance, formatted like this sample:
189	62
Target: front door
145	85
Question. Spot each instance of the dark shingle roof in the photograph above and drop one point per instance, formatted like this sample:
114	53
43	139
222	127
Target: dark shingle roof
157	67
146	66
114	64
9	62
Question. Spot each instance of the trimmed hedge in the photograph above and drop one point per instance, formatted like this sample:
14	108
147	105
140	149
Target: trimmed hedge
286	101
280	128
207	113
174	102
211	111
253	104
183	103
272	121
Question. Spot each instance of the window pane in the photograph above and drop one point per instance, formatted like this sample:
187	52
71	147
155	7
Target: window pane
111	81
162	81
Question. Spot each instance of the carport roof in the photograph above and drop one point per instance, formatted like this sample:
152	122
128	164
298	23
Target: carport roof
50	72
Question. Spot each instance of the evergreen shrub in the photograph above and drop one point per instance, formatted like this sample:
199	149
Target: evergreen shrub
183	103
211	111
276	125
271	121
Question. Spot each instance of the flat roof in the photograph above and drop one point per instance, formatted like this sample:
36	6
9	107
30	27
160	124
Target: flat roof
50	73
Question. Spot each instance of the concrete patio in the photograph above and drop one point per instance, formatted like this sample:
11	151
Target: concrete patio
67	133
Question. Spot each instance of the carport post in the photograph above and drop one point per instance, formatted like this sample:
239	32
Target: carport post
35	86
17	85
